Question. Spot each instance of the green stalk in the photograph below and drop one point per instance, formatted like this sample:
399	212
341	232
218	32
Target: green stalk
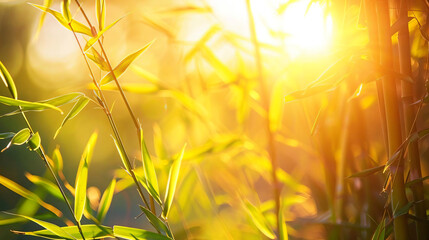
398	198
409	114
266	105
121	91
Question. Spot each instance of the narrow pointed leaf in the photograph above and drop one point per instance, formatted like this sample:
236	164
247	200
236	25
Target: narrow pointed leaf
27	105
156	222
34	141
18	189
98	59
8	80
65	9
99	34
149	170
6	135
380	231
77	26
20	138
134	233
90	231
57	159
106	200
82	178
48	226
100	12
259	220
403	210
63	99
123	156
123	65
172	183
283	229
367	172
46	4
46	184
77	108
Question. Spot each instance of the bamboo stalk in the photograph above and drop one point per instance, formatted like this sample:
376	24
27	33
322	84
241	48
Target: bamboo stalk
266	104
409	114
398	198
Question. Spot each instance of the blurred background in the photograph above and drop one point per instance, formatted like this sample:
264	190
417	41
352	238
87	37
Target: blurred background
198	83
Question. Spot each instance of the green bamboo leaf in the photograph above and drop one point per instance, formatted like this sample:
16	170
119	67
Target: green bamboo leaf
100	12
57	159
8	81
173	177
156	222
48	226
34	141
123	156
123	65
98	59
90	231
135	233
20	138
6	135
46	4
27	105
18	189
403	210
82	177
99	34
63	99
106	200
77	26
65	9
367	172
7	219
46	184
77	108
259	220
411	183
149	170
380	231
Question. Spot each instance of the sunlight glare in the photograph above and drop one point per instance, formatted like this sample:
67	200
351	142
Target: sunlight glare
309	29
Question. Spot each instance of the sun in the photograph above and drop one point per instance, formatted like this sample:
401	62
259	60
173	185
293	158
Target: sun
306	26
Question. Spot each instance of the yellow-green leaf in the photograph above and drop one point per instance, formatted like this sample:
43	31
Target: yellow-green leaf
46	4
8	80
82	177
123	65
6	135
34	141
156	222
173	177
27	105
19	138
283	229
63	99
259	220
79	105
149	170
90	231
123	156
57	159
77	26
98	59
46	184
100	12
106	200
18	189
135	233
48	226
65	9
99	34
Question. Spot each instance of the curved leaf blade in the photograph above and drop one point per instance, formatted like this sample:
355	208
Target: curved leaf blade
90	231
77	108
19	138
173	176
156	222
149	170
123	65
99	34
82	177
134	233
106	200
34	141
8	80
259	220
27	105
100	12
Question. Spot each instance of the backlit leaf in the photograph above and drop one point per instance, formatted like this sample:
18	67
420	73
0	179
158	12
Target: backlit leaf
46	184
283	229
123	156
78	106
6	135
123	65
99	34
65	9
77	26
134	233
46	4
34	141
380	231
90	231
19	138
57	159
18	189
106	200
63	99
259	220
82	177
8	80
367	172
156	222
98	59
173	177
27	105
100	13
149	170
48	226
